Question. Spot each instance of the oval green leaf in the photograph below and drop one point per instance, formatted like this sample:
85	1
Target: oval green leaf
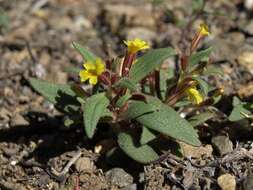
146	135
141	153
166	121
94	108
61	95
148	62
86	54
202	55
126	83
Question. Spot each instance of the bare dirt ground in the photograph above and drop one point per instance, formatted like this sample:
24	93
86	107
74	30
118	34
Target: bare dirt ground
38	152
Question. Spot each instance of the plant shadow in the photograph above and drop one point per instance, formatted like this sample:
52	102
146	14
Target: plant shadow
48	133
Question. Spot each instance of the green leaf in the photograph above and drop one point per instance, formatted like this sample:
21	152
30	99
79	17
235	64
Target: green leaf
157	2
72	69
202	55
94	108
216	99
197	5
239	109
201	118
123	99
4	19
213	70
146	136
126	83
138	108
165	76
204	86
166	121
68	122
107	113
61	95
141	153
50	90
236	101
237	113
218	13
86	54
182	103
148	62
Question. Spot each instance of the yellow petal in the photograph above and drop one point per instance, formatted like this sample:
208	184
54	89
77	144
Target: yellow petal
93	80
204	30
100	67
136	45
194	95
84	75
89	66
91	71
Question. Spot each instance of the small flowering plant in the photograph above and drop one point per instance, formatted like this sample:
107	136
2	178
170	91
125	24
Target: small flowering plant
139	97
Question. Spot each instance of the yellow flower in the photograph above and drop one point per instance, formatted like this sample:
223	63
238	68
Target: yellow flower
136	45
91	71
204	30
194	95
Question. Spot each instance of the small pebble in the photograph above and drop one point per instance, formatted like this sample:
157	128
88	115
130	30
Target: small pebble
118	177
222	144
227	182
13	163
130	187
84	164
248	182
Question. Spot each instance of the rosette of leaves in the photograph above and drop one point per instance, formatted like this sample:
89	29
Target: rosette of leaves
137	118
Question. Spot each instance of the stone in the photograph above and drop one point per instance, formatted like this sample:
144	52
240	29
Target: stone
245	90
248	182
142	33
227	182
188	178
11	150
56	75
129	14
18	120
84	164
118	177
222	144
249	28
196	152
248	4
43	180
92	181
39	71
130	187
226	48
82	22
5	115
246	59
61	23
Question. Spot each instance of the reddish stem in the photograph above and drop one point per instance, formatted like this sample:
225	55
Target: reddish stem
105	78
184	62
128	61
77	187
195	42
